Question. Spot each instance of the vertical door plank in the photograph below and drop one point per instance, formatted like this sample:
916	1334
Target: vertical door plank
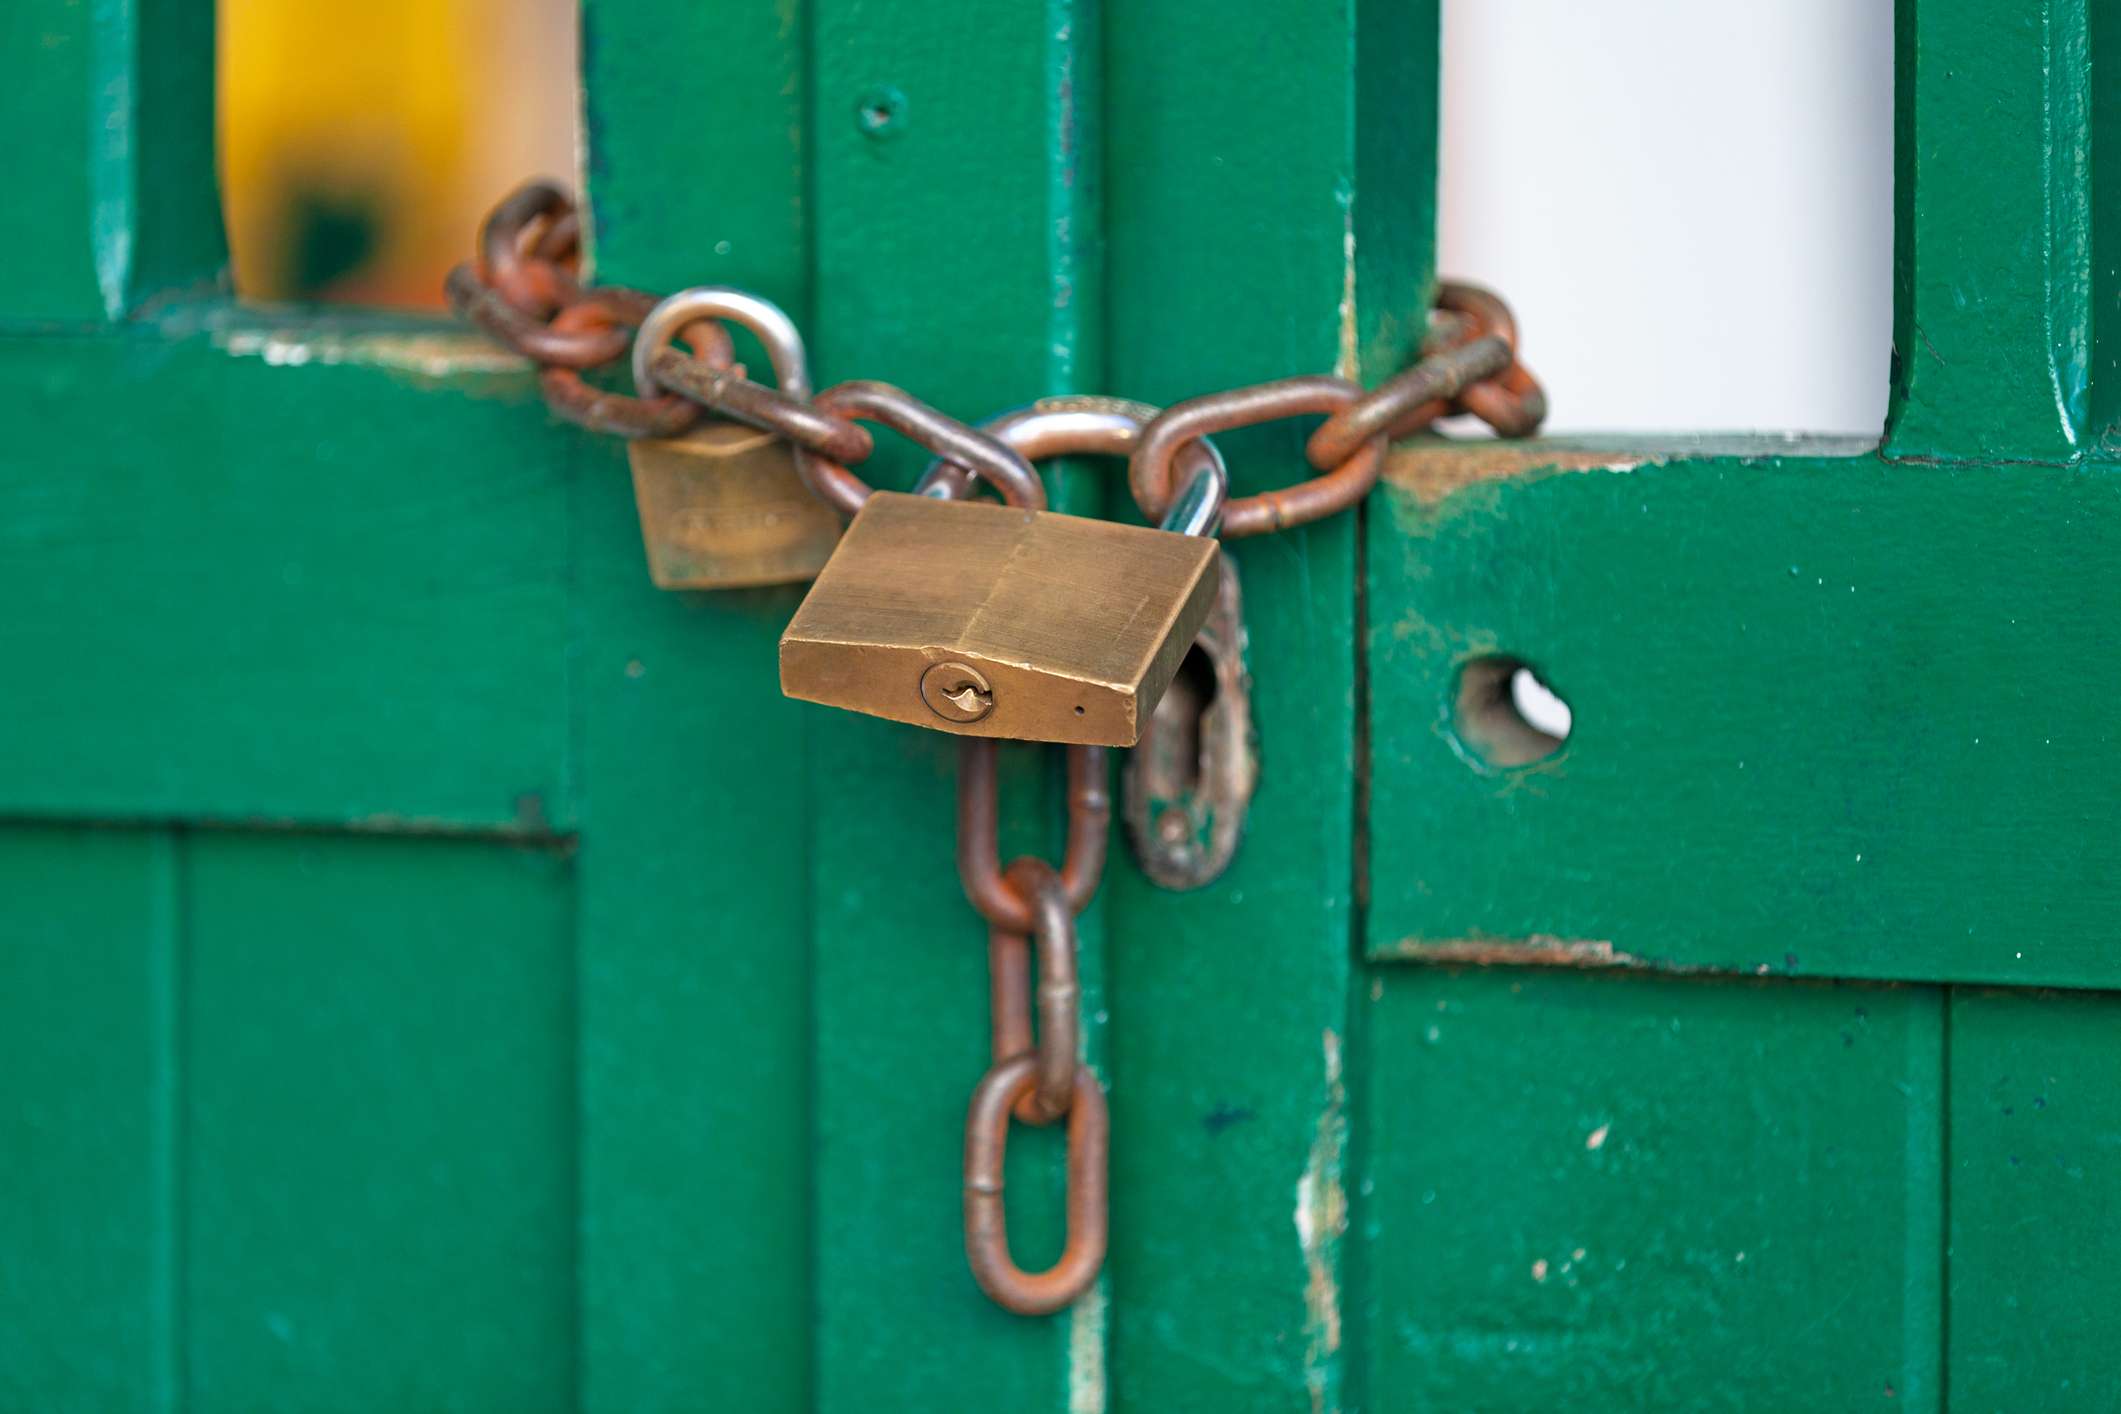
674	207
1992	323
2035	1230
88	1142
110	193
50	54
696	1154
380	1174
955	257
1603	1191
2103	102
694	961
1241	250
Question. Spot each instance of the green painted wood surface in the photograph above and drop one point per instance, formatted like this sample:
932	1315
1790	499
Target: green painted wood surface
443	971
379	1123
110	194
1234	150
286	1115
89	1094
1993	313
2035	1236
695	939
1831	717
2103	97
1614	1191
240	590
671	210
694	980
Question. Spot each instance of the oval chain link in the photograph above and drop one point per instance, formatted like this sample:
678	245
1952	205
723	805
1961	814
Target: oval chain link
987	1221
1038	1078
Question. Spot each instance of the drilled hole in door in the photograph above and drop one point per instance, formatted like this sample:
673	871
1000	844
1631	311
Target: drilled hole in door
1506	716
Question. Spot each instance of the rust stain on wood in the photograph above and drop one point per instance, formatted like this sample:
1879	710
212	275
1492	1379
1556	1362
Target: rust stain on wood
1539	950
1431	468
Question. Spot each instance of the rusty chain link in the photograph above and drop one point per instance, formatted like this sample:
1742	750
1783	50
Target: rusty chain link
524	292
1036	1078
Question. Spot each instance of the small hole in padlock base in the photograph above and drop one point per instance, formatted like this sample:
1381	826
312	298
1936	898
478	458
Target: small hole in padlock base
1078	711
1505	716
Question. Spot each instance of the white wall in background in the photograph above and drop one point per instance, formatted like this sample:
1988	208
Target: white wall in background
1687	202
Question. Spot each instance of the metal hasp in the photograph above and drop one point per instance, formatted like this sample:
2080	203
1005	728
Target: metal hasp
1076	625
1188	784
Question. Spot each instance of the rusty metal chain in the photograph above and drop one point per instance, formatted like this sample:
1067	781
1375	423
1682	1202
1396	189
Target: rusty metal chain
1036	1079
524	291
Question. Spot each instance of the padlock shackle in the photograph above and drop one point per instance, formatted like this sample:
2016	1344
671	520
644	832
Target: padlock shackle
1198	508
784	345
1088	424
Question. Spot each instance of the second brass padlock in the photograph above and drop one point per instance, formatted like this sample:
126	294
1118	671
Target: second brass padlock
990	620
722	507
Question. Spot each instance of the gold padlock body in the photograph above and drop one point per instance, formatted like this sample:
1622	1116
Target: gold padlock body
1076	626
722	507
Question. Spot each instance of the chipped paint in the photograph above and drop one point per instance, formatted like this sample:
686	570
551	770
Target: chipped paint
1086	1352
1321	1218
1348	365
430	354
1539	950
111	177
1431	468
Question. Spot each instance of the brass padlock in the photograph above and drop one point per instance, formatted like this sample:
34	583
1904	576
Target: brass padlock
724	506
992	620
1007	621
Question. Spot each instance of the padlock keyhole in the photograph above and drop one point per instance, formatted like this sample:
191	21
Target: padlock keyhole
957	692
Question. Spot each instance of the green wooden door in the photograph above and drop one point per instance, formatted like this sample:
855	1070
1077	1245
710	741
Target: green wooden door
442	972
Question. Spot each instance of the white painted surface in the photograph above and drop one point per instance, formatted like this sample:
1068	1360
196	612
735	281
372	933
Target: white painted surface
1688	204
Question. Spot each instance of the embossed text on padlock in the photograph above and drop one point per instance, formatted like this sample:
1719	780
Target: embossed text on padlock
724	506
1060	628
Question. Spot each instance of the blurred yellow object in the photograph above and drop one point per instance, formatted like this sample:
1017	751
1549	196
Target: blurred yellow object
361	141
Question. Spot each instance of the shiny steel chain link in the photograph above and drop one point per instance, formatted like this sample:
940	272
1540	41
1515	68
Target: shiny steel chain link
524	292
